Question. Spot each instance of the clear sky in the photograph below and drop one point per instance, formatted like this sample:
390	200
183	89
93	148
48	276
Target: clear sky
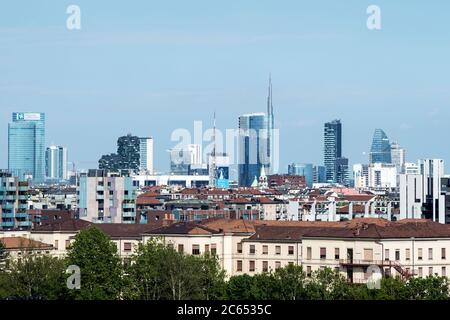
150	67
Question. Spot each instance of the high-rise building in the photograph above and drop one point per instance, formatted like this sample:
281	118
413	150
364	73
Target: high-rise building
398	157
302	169
106	197
146	155
13	202
26	145
332	149
342	174
180	161
319	174
270	132
380	152
252	147
382	176
133	153
424	195
56	163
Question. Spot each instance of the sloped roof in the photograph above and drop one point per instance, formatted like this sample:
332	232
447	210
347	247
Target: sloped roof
12	243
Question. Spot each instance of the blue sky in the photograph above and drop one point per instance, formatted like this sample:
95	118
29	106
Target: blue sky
150	67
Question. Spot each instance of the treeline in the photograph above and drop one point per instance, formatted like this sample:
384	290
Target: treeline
158	272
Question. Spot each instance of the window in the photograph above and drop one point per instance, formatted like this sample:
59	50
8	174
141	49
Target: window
252	249
323	253
277	264
430	253
419	254
407	254
239	265
443	255
67	244
443	272
308	253
127	246
251	266
397	254
277	249
420	271
56	244
430	271
336	253
265	250
180	248
213	249
308	271
126	262
368	254
195	249
239	247
291	250
386	254
265	266
206	248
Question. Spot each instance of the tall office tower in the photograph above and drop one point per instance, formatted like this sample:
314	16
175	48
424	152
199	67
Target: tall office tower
319	174
398	157
270	127
128	149
342	175
13	202
380	152
411	196
106	197
56	163
361	175
26	145
332	148
302	169
146	154
252	147
432	171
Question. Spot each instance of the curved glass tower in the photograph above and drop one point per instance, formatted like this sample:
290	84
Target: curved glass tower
380	151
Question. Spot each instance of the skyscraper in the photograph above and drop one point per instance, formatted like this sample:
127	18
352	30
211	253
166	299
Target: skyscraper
252	147
332	149
380	152
398	157
146	154
56	163
270	127
26	145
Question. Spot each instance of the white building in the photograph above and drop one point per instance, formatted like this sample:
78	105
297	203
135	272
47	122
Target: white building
361	175
382	175
432	171
146	155
411	168
411	196
188	181
56	163
398	156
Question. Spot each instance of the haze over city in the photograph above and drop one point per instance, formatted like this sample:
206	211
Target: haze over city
149	68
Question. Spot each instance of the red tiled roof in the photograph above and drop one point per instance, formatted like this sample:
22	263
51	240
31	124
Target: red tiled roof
12	243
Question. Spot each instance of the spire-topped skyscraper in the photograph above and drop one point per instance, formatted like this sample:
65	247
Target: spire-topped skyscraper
270	126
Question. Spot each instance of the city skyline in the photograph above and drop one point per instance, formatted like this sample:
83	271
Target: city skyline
183	76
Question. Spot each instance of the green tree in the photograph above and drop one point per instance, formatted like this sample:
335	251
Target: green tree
429	288
392	289
35	276
238	287
327	284
291	282
100	266
3	256
211	277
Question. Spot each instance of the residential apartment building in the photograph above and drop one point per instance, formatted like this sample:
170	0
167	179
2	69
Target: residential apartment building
106	197
13	202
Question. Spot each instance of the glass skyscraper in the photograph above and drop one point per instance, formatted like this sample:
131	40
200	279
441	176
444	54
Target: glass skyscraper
252	147
26	145
332	149
380	151
56	163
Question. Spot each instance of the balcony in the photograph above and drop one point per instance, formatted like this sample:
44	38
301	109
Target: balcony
7	206
8	215
7	224
21	215
128	205
24	224
128	214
